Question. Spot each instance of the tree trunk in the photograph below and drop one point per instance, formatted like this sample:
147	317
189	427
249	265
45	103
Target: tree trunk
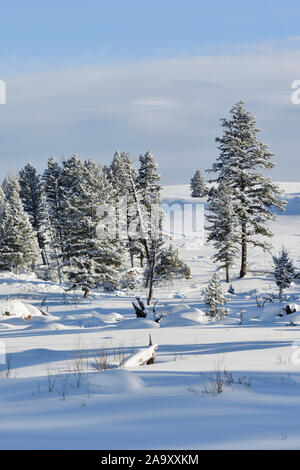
151	290
131	260
150	281
227	273
243	271
142	260
44	257
86	293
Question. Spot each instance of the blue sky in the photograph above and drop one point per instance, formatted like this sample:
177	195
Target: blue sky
90	77
35	33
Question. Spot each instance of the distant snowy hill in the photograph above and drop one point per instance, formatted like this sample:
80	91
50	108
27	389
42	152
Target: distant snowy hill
181	193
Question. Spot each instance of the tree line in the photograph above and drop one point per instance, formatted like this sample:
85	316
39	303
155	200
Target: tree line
54	216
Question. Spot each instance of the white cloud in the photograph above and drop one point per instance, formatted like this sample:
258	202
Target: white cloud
154	101
172	106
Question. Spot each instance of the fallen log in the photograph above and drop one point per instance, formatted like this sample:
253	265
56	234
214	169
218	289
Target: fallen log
142	357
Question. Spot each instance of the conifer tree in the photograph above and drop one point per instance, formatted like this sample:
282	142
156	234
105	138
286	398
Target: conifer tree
164	265
89	261
284	271
18	243
215	299
169	266
224	231
32	196
120	173
146	194
149	193
148	181
52	179
198	185
239	165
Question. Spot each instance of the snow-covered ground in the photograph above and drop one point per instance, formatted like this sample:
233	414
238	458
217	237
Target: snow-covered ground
53	395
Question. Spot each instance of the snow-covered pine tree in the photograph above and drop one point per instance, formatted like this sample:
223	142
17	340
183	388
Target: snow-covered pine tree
107	253
148	181
18	242
215	299
52	179
121	171
169	266
224	231
153	239
88	260
32	196
284	271
8	184
239	165
198	185
149	191
148	216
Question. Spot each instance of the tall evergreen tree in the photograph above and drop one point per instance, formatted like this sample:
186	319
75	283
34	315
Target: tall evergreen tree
239	165
149	194
148	181
121	171
198	185
88	260
18	243
52	179
146	194
224	231
32	196
284	271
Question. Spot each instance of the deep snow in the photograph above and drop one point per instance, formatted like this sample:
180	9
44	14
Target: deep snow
55	395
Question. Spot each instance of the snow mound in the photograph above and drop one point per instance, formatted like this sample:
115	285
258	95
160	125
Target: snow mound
26	276
92	322
15	308
50	323
180	308
270	312
52	326
112	317
115	381
99	319
137	323
187	317
275	311
293	317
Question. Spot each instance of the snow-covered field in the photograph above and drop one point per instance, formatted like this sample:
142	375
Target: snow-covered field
52	395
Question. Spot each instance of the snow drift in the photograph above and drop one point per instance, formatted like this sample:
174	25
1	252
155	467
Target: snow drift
276	311
115	381
184	317
15	308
